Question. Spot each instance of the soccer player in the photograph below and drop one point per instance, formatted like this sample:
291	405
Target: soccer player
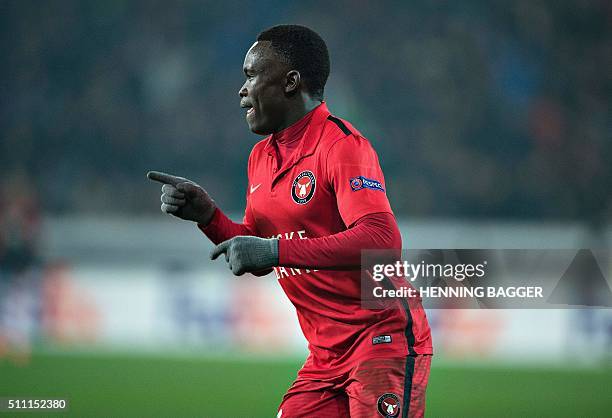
315	199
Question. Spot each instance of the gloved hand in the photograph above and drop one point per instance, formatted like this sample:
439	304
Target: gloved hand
248	254
183	198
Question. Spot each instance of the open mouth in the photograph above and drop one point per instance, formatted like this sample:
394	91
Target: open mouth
250	111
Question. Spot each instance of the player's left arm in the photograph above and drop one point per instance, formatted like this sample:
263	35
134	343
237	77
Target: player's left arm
342	251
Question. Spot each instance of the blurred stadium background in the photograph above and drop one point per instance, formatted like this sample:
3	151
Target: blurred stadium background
493	124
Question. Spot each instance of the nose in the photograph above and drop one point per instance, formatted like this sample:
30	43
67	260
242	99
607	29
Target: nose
243	91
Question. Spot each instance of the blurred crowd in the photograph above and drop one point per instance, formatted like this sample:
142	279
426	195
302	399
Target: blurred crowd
477	109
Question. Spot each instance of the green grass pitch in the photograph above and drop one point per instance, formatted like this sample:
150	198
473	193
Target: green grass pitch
130	386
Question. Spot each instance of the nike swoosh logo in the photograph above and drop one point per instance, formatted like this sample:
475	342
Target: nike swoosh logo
253	188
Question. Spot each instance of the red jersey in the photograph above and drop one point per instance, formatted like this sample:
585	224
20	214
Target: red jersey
331	180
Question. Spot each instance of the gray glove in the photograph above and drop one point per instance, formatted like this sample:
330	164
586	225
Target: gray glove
248	254
183	198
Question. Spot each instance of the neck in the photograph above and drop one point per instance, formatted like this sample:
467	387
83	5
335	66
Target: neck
301	108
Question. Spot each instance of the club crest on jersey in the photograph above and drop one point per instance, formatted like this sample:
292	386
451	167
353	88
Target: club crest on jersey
389	405
303	187
360	182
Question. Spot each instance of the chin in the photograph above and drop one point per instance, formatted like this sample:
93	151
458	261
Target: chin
259	130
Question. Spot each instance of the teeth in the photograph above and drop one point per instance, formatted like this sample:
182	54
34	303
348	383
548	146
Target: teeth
251	110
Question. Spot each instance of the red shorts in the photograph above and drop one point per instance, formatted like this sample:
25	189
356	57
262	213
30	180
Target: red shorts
387	387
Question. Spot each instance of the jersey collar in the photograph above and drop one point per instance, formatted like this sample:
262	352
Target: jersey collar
310	139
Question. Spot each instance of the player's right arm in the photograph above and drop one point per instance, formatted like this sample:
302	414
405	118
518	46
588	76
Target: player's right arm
187	200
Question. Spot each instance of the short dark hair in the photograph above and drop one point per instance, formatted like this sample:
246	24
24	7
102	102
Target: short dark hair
304	50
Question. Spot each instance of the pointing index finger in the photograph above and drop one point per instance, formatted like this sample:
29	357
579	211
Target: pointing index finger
164	178
219	249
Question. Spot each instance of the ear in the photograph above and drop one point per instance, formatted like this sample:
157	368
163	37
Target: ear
293	81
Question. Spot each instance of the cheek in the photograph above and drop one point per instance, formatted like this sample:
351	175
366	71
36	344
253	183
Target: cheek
270	98
266	89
